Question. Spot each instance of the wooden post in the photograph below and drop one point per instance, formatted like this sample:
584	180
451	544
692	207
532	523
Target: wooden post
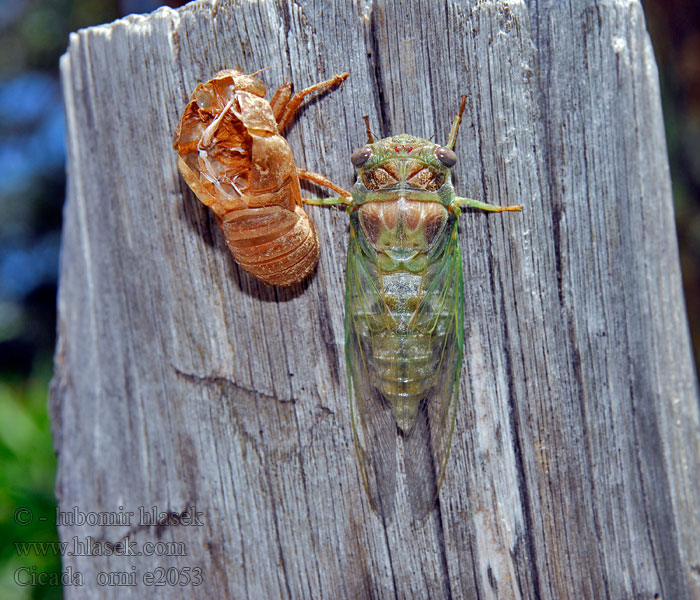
181	382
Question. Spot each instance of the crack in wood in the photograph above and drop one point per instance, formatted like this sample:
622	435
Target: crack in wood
225	383
170	518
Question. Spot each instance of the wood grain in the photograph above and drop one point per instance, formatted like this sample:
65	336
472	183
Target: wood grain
181	381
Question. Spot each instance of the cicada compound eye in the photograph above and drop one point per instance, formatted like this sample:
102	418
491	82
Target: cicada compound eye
360	156
446	156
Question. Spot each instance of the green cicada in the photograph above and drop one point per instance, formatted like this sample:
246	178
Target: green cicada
404	322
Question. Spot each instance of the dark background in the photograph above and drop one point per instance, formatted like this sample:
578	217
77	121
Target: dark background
33	34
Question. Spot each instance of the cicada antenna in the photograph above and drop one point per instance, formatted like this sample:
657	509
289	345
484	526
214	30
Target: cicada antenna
260	71
370	137
455	125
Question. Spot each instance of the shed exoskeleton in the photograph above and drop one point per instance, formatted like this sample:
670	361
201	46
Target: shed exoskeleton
234	158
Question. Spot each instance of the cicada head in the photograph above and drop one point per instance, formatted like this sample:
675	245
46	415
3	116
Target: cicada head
403	164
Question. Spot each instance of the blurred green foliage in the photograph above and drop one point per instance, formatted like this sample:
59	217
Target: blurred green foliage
27	471
36	32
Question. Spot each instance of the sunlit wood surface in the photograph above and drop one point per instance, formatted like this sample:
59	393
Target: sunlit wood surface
181	381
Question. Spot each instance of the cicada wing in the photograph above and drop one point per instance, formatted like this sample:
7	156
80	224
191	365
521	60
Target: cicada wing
427	443
374	427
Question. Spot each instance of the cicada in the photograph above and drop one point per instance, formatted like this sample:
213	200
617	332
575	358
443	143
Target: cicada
404	322
234	158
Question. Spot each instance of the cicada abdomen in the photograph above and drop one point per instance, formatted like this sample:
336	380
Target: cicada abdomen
234	158
404	323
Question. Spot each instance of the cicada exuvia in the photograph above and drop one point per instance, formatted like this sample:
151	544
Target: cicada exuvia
234	158
404	322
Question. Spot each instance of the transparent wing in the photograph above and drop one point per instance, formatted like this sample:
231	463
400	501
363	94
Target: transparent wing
427	444
374	428
437	325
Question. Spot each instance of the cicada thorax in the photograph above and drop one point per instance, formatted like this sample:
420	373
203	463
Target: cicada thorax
402	231
233	157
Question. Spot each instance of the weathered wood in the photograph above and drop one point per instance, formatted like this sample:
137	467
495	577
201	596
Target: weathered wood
575	468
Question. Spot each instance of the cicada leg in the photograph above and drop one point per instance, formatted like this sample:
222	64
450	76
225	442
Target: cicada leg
287	112
458	203
280	100
328	201
322	181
